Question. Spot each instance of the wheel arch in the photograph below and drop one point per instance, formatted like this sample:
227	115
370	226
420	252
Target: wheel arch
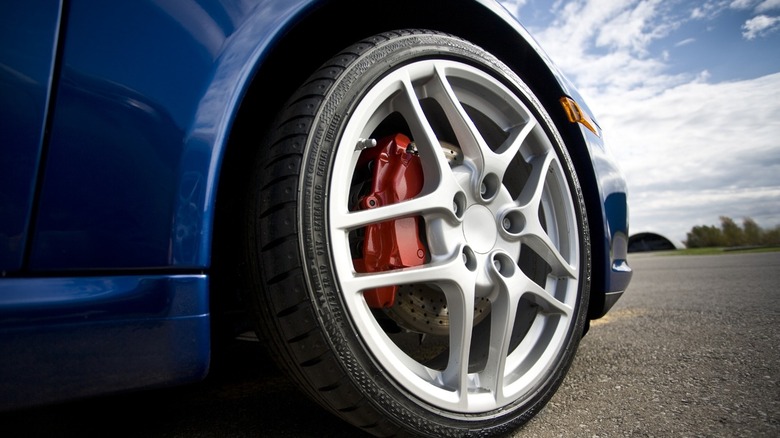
314	40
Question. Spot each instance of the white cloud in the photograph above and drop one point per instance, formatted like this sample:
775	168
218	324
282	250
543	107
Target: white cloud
768	5
685	42
691	150
759	5
709	9
592	40
759	26
698	151
742	4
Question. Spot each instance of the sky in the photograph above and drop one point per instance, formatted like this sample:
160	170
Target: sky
688	95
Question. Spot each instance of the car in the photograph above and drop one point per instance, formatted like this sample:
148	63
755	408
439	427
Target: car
407	202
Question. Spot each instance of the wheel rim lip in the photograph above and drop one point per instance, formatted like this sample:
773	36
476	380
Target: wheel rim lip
422	382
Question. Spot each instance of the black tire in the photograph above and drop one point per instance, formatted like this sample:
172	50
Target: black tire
485	196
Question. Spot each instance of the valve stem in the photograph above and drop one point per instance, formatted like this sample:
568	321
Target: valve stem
365	143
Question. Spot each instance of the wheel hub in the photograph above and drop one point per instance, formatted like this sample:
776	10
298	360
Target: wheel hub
478	229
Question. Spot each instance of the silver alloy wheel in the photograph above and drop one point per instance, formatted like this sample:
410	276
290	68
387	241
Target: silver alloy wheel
500	227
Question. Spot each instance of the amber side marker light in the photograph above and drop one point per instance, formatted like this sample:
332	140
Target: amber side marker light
577	115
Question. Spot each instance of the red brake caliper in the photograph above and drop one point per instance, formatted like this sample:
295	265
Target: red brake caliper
397	176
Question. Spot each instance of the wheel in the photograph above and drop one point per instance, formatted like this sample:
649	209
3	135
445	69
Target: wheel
418	249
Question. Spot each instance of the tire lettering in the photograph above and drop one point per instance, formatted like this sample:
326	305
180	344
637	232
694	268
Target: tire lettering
324	278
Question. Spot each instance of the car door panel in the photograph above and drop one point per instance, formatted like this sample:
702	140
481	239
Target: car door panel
28	41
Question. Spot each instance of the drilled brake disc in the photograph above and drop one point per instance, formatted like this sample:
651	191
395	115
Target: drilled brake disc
423	309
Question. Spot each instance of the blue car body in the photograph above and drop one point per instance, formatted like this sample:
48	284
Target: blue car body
118	157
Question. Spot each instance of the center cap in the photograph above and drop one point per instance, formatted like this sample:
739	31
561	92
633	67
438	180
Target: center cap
479	229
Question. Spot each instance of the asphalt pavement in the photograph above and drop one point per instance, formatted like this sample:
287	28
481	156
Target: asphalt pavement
691	350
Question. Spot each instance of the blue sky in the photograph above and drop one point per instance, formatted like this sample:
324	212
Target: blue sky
688	93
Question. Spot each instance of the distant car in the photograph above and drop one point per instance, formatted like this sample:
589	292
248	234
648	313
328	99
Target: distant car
407	200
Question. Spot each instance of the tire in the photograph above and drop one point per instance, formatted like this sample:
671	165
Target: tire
418	251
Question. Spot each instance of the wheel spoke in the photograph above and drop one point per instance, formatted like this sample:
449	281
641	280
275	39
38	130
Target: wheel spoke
512	285
431	203
443	271
470	140
541	297
533	233
507	152
531	196
503	312
537	239
460	302
498	162
440	185
437	173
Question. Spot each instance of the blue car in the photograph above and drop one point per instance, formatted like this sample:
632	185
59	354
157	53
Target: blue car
406	202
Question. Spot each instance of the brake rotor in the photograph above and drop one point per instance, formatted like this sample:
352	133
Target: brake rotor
423	309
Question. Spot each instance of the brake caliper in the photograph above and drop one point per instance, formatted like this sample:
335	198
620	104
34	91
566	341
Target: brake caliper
396	176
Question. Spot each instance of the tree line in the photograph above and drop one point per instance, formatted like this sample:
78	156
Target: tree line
730	234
